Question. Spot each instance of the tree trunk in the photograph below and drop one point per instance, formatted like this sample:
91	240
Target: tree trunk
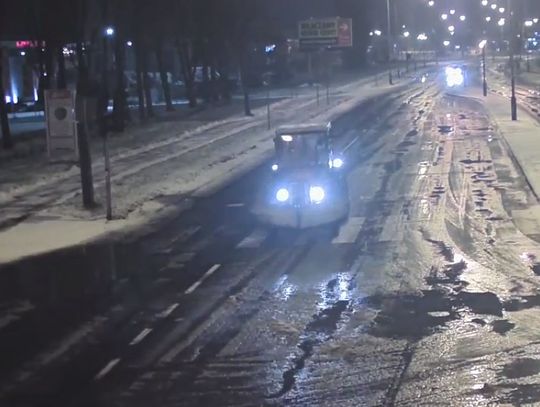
119	98
61	75
7	141
188	73
205	82
245	90
146	83
85	158
214	83
163	75
138	72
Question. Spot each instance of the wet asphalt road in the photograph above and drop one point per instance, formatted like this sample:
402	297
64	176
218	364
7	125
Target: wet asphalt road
426	295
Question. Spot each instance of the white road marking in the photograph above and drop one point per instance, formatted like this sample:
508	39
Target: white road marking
254	240
169	310
353	142
196	284
348	233
236	205
143	334
391	231
108	367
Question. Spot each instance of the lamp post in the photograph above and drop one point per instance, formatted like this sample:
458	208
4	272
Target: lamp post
513	100
482	46
390	46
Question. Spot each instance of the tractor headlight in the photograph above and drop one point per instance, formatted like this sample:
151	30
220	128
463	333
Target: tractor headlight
282	195
316	194
337	163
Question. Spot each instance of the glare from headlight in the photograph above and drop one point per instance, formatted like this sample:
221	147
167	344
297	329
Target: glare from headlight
287	138
275	167
454	77
337	163
316	194
282	195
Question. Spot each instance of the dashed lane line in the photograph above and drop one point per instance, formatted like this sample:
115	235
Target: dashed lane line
196	284
106	370
254	240
169	310
348	233
139	338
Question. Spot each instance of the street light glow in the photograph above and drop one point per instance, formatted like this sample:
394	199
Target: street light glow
462	18
451	28
452	11
406	34
529	23
431	3
446	43
444	16
488	19
493	6
109	31
501	10
482	44
129	43
378	33
535	20
501	22
484	3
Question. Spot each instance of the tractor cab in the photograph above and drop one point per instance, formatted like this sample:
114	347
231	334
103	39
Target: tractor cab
303	147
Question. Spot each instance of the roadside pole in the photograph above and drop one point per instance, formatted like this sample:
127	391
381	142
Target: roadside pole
85	158
317	92
328	89
268	106
108	191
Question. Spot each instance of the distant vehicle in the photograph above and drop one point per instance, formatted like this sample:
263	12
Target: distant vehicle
455	76
306	187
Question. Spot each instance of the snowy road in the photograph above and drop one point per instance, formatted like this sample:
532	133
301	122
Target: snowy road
426	295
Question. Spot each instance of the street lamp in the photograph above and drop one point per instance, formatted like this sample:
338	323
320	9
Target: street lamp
462	18
109	31
390	45
488	19
484	3
444	16
513	100
493	6
482	46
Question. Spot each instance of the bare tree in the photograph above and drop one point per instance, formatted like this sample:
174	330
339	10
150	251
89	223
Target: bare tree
7	141
163	73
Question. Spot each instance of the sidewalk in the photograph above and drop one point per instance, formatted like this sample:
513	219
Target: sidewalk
523	139
150	178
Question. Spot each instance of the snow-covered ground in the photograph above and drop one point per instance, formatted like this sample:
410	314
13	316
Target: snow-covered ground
42	201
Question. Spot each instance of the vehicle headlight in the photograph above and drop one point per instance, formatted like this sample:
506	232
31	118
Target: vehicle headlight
337	163
282	195
316	194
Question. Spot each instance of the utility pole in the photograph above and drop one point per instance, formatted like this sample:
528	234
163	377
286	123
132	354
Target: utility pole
513	100
390	45
484	79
